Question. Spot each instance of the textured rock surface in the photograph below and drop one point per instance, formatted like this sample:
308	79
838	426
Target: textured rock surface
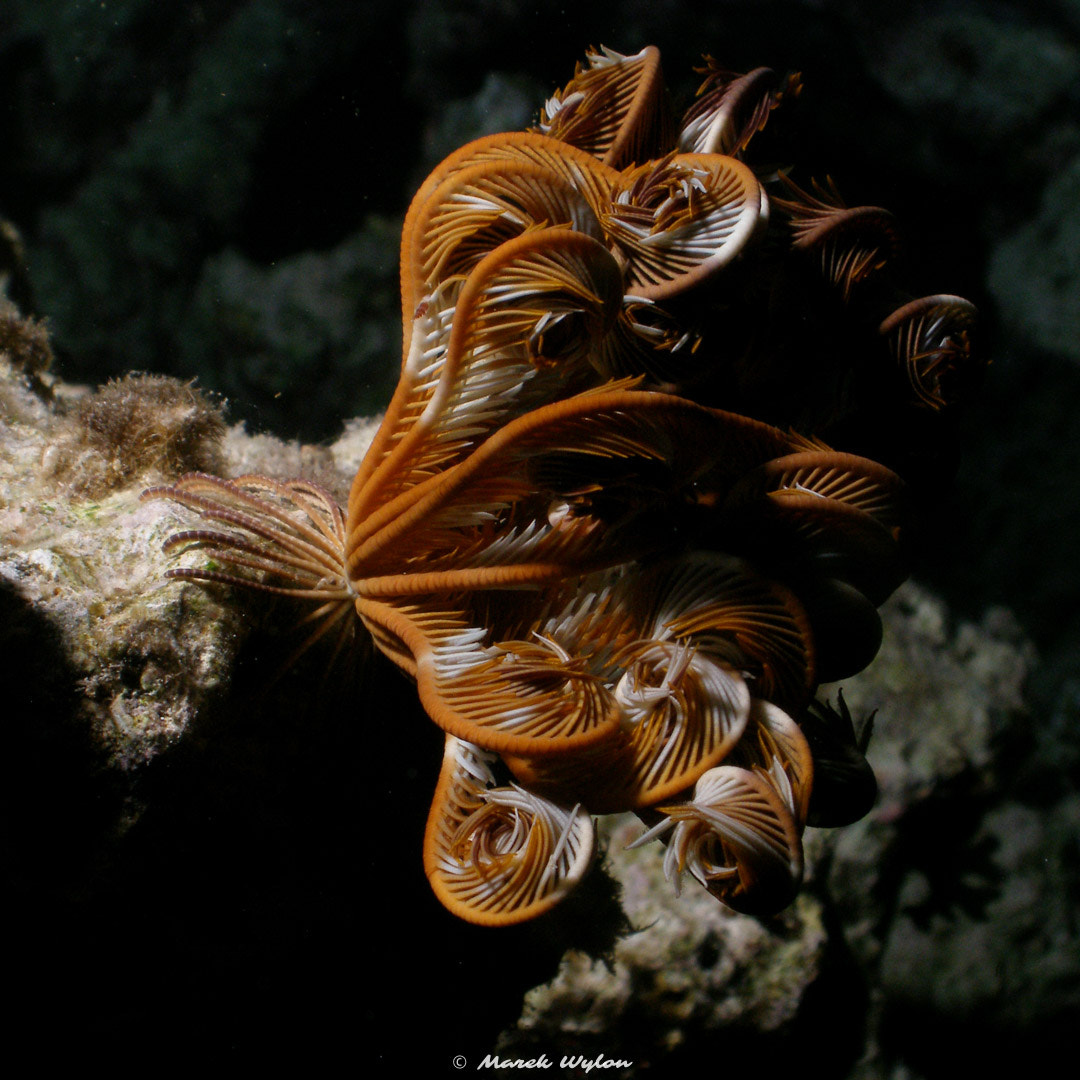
91	566
688	968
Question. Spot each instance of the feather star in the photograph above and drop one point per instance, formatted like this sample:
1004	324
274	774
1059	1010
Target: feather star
613	593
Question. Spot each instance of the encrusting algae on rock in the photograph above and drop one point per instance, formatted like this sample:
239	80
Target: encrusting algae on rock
79	549
637	495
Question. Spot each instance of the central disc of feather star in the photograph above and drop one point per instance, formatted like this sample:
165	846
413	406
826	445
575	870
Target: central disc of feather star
600	524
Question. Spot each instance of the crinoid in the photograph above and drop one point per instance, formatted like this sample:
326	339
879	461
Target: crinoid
602	523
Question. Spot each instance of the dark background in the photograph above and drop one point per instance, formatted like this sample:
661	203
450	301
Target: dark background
215	190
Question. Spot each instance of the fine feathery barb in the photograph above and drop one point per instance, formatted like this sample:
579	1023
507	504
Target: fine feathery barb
280	537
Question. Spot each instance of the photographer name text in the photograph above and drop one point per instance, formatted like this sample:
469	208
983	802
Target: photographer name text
567	1061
